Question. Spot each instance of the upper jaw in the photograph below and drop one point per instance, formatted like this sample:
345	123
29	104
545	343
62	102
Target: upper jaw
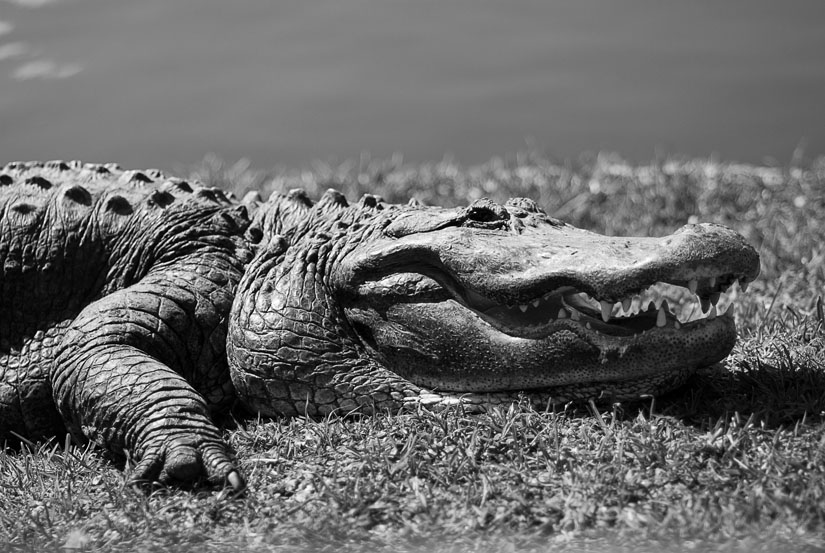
510	269
521	284
692	268
705	259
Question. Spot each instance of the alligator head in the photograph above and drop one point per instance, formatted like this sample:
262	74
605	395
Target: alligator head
372	306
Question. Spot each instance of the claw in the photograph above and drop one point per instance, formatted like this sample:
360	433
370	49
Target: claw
235	480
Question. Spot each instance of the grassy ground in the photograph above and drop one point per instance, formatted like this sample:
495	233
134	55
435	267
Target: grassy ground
733	461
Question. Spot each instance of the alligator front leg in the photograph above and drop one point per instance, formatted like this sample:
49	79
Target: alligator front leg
118	380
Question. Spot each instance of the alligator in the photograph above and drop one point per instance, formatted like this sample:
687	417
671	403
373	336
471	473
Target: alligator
135	307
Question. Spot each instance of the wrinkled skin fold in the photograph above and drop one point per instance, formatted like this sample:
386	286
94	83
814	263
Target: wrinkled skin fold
134	306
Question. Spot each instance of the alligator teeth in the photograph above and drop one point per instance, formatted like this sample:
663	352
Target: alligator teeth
648	308
606	309
660	318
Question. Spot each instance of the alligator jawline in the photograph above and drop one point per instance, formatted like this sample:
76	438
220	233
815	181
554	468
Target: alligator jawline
642	311
537	318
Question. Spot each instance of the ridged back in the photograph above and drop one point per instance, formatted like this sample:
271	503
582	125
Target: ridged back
71	232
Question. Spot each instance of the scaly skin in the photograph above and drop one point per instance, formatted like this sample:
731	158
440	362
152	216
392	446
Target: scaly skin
371	306
114	293
118	290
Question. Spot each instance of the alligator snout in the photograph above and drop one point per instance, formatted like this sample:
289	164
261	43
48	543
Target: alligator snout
506	298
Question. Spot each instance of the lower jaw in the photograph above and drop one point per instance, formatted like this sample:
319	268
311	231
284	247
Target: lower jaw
550	397
464	354
579	361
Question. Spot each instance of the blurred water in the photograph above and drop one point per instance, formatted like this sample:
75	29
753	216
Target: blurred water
157	82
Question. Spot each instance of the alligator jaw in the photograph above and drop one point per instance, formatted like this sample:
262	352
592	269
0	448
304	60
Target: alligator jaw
487	312
636	313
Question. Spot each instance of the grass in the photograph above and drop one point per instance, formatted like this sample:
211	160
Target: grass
733	461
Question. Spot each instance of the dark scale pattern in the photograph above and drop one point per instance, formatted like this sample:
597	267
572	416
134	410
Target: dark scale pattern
290	349
114	292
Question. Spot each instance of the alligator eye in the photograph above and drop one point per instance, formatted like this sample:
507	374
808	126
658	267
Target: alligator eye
255	235
487	212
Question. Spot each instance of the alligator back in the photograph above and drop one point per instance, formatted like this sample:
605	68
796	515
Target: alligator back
71	233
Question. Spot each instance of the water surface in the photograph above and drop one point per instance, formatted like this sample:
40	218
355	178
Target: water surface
160	82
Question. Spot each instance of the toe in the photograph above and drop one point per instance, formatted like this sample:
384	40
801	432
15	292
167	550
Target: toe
146	471
182	464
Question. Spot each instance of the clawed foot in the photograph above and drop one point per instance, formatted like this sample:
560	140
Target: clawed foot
184	460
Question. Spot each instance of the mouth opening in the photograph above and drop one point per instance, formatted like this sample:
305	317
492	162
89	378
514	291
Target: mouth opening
660	306
673	305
